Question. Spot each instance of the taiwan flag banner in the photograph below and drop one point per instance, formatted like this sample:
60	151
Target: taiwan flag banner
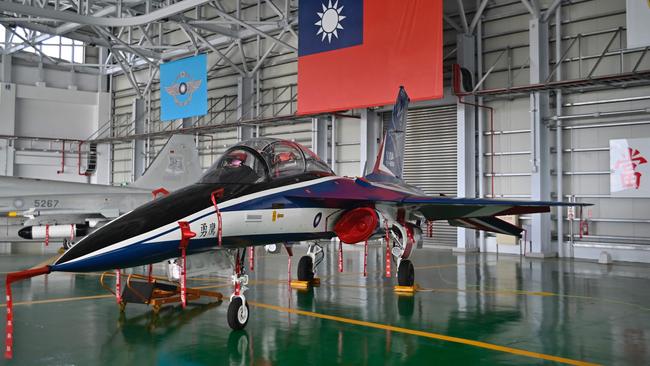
183	88
356	53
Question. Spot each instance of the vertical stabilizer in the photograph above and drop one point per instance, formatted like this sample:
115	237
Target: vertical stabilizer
176	166
390	159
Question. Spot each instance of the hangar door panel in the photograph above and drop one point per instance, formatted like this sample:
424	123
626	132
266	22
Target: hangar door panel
430	160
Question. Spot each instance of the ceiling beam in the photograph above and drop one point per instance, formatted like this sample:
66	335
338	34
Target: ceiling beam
477	16
463	18
61	30
67	16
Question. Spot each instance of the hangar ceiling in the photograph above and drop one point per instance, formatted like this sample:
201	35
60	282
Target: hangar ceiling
135	32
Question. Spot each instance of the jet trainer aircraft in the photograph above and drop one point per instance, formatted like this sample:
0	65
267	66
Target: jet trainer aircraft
265	191
48	209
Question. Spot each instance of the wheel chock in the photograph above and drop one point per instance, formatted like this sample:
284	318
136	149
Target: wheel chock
406	290
303	285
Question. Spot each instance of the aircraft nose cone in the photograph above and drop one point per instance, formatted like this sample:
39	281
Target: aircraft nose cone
124	243
25	233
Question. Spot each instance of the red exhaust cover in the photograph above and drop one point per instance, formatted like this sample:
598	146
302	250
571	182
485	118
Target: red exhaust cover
357	225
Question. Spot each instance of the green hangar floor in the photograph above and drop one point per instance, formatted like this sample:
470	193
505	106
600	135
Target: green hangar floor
473	309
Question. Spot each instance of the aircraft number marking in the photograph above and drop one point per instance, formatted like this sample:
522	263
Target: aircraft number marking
46	203
317	219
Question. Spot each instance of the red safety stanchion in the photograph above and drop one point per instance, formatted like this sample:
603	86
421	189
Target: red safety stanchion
340	256
11	278
388	274
118	286
365	259
251	258
150	279
47	234
214	197
290	253
430	228
186	235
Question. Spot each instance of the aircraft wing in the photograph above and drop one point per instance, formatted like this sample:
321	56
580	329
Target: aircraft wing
475	213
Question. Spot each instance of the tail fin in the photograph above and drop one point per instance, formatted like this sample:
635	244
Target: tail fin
390	159
176	166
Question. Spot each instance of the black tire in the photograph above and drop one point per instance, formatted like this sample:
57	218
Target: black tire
305	269
405	273
238	314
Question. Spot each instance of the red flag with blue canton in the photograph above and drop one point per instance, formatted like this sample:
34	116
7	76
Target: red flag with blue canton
356	53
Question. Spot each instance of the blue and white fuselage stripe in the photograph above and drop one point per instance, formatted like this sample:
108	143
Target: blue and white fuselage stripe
246	220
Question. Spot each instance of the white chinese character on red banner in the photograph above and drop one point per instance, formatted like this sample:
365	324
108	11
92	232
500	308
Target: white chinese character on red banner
626	165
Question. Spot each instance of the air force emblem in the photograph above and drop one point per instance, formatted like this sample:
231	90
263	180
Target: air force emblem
183	88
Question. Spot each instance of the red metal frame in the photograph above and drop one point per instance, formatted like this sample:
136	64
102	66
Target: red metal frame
62	159
11	278
79	160
186	235
214	196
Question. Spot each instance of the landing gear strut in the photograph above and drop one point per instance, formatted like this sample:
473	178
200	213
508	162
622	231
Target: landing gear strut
238	309
403	238
308	263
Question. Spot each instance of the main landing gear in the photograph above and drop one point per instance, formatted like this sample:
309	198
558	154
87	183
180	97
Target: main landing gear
238	310
403	237
307	267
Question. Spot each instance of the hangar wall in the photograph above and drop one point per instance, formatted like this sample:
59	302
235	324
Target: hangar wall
620	226
48	103
588	26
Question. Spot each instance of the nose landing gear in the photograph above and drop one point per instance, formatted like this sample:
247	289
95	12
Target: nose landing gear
238	310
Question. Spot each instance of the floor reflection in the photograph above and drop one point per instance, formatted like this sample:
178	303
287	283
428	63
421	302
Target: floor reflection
572	309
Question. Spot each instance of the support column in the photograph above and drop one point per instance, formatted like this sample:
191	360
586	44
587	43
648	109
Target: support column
246	132
102	78
137	118
245	98
466	145
103	173
319	139
7	126
369	139
6	61
41	75
540	136
333	149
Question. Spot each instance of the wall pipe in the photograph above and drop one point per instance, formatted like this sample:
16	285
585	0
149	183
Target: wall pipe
481	148
560	117
558	132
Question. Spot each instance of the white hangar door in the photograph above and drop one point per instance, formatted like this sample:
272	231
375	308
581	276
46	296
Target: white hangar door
430	160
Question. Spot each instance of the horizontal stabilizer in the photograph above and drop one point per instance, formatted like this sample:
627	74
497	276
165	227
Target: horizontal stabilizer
491	224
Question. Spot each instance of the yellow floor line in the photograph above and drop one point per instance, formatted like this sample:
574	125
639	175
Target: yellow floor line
92	297
420	333
442	337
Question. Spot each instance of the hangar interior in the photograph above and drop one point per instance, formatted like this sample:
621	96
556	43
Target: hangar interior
552	83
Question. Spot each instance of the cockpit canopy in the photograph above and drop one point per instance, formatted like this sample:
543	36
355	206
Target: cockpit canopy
263	159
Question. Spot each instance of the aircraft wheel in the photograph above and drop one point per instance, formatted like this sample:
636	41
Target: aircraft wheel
405	273
237	314
305	269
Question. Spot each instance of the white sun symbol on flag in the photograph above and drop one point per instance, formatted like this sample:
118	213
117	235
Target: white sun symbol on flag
330	21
